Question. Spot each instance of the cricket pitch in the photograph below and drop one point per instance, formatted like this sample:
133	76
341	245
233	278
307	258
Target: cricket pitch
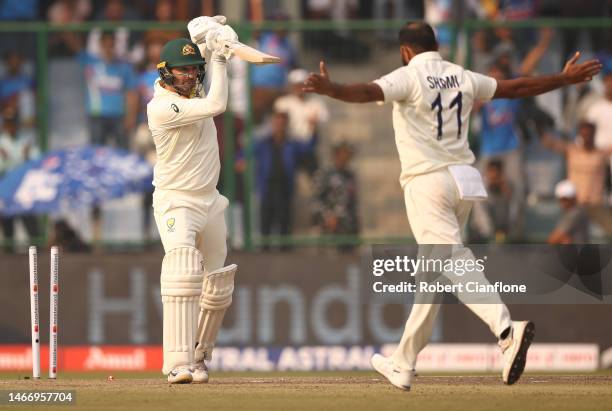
347	391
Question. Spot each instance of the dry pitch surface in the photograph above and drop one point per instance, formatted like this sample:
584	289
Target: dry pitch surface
325	391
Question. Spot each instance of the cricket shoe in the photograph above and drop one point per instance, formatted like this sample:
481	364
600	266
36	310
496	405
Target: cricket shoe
396	376
180	375
514	349
199	372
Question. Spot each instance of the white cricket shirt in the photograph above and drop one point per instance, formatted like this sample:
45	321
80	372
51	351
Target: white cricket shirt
305	115
432	101
600	114
185	139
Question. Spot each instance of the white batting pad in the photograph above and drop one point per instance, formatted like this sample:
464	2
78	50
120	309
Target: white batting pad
217	290
181	285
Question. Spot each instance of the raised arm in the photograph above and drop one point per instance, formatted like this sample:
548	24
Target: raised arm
351	93
532	86
534	56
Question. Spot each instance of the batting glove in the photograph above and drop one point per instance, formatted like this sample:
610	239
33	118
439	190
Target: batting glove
220	41
200	26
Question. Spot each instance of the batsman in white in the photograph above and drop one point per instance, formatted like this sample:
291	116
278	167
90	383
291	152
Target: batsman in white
196	288
432	100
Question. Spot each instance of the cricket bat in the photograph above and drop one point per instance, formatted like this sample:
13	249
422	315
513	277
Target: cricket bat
252	55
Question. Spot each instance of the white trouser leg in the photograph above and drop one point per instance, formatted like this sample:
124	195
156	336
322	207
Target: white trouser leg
488	307
437	216
416	334
179	218
212	242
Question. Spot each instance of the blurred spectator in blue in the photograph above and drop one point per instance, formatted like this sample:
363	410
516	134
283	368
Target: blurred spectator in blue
143	140
63	12
335	204
269	81
111	99
500	141
276	162
600	114
17	90
586	164
437	13
517	10
307	113
127	44
574	225
15	149
13	10
492	218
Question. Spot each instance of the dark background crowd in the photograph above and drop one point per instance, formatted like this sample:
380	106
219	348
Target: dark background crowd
298	164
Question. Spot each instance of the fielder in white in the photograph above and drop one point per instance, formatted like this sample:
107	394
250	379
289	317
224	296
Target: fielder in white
432	101
196	288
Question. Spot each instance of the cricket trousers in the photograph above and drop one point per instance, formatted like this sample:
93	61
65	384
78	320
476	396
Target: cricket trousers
194	222
437	215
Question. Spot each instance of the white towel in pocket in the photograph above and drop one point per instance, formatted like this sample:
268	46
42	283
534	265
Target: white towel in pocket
469	182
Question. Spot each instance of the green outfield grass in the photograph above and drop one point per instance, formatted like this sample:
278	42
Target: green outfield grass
348	391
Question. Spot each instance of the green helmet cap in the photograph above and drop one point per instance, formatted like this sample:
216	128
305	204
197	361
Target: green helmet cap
180	52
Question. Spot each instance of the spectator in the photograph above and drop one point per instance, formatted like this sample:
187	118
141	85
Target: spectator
67	238
335	206
307	112
499	140
579	99
143	140
17	91
507	52
64	12
336	44
69	11
111	100
439	12
238	101
575	9
126	44
586	164
573	228
164	13
394	10
276	163
270	80
492	217
600	114
517	9
338	11
15	149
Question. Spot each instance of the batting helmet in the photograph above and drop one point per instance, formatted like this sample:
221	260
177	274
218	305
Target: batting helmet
179	53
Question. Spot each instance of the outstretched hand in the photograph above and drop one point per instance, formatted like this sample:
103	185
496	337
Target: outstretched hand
578	73
318	83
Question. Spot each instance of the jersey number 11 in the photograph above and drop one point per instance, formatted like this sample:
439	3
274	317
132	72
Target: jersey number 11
457	101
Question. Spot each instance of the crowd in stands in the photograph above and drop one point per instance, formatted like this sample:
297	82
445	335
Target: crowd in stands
118	70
